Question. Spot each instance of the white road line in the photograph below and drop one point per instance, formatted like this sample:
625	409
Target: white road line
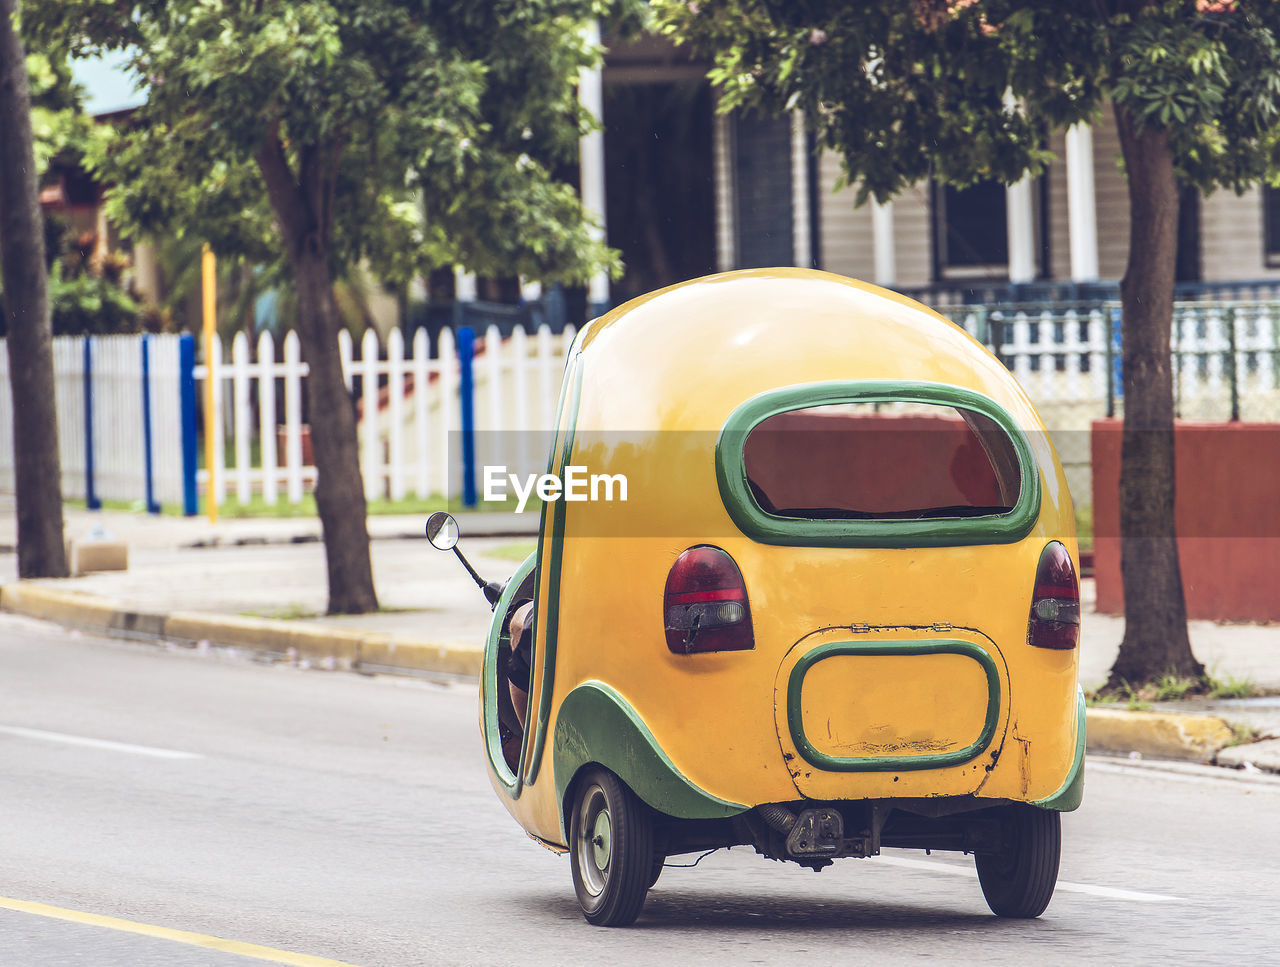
1109	892
88	743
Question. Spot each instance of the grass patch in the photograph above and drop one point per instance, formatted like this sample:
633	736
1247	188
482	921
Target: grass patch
381	507
1173	688
515	551
232	509
1231	688
1084	526
133	506
1124	697
1241	734
290	612
297	612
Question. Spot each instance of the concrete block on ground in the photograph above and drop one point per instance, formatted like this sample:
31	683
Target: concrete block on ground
96	551
1261	755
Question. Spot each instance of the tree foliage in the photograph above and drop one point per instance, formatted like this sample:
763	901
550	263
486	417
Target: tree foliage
436	128
962	90
59	126
83	297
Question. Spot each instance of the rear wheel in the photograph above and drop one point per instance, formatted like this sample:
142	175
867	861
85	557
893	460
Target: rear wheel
659	861
611	837
1018	881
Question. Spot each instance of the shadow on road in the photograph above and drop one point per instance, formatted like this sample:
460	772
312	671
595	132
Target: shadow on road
774	912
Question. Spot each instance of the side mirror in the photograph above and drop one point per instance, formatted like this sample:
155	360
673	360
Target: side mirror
442	530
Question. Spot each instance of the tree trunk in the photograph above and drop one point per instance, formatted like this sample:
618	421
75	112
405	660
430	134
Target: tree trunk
300	206
37	466
339	487
1155	635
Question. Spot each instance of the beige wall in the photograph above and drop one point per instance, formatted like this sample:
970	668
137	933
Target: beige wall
1059	215
844	232
846	236
1112	196
1231	237
913	236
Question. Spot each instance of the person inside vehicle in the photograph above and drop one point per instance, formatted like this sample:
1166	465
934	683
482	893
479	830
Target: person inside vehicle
520	628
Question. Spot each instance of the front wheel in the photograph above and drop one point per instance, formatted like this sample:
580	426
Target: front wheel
611	838
1018	881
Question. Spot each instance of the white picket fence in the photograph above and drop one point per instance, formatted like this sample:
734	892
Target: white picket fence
1220	351
409	411
1226	359
115	420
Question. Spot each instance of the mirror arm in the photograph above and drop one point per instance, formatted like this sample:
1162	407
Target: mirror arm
492	591
467	564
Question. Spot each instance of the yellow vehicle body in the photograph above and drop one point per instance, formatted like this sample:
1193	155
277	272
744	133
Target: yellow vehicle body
884	668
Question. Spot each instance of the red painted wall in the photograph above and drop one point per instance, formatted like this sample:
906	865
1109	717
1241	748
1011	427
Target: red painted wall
1227	512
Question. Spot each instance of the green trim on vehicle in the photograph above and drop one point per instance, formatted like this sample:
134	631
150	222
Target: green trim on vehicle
891	763
489	680
767	528
551	635
1071	793
597	725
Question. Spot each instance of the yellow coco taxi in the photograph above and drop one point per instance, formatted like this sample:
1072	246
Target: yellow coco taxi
836	611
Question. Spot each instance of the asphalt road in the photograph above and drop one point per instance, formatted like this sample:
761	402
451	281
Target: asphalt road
304	817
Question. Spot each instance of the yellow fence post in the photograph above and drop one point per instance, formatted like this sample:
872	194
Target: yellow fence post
209	275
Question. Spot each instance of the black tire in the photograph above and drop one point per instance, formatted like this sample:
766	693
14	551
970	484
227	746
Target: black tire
611	849
1019	880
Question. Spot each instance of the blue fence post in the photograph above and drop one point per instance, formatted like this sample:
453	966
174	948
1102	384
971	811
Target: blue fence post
187	399
153	507
467	399
1116	345
90	490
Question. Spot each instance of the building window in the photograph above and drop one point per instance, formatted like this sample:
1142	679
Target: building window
762	181
1271	224
972	231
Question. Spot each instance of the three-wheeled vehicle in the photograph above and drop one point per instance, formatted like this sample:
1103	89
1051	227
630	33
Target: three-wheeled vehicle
837	610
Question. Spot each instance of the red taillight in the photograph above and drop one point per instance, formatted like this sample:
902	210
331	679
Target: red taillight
705	605
1055	603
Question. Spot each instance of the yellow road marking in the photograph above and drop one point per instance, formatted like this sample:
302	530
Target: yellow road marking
255	951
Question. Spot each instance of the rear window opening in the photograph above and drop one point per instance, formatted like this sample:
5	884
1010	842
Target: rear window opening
878	461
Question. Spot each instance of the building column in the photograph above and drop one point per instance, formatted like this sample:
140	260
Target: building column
146	271
801	228
1082	211
722	159
1020	224
591	155
464	285
882	244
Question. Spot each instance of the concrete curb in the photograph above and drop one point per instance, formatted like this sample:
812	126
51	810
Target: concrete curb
1157	734
335	648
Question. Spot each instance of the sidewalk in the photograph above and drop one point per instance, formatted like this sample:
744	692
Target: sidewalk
260	584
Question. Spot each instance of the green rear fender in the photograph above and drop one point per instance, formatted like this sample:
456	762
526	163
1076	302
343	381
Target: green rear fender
1071	794
597	725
